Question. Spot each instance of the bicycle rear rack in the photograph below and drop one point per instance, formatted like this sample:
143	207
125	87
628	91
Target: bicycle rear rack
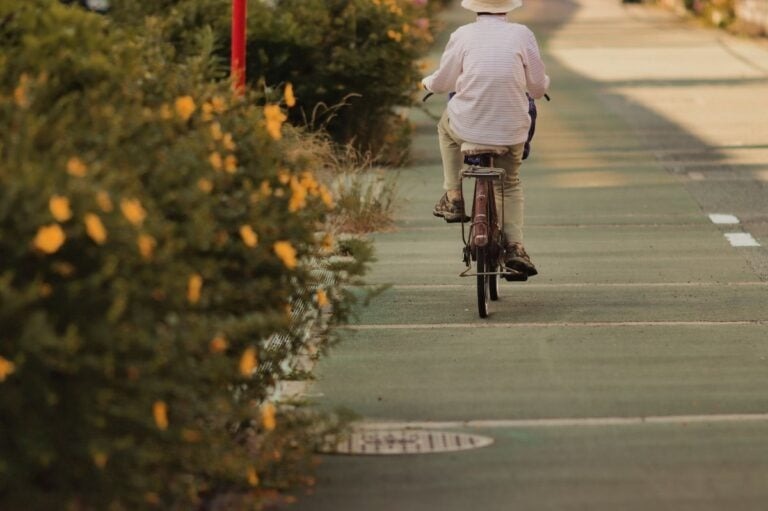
492	172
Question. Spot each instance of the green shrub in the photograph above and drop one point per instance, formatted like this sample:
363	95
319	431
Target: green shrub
154	234
351	62
360	53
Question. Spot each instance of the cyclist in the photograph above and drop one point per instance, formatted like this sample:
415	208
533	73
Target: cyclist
490	64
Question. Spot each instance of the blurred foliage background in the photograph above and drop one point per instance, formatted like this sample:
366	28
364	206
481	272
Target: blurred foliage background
363	54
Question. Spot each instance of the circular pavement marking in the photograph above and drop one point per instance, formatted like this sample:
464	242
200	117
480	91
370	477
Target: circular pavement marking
404	441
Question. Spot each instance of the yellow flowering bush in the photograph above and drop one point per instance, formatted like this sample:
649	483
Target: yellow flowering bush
360	53
141	276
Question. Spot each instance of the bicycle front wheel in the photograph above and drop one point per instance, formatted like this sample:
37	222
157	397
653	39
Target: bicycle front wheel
483	280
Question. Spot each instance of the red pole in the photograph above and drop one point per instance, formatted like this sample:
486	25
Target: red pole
238	44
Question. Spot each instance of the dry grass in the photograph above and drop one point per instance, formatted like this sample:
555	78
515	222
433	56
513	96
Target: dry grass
364	192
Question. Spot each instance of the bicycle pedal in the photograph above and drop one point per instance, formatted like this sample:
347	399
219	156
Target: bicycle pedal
515	276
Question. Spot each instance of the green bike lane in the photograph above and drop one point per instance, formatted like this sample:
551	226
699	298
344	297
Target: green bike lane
630	374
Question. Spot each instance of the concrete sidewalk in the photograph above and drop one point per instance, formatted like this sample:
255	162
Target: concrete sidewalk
631	373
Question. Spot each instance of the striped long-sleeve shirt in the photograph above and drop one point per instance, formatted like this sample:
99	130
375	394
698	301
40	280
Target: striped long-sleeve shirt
490	64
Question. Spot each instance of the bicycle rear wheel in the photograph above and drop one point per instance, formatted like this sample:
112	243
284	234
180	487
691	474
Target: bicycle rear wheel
483	281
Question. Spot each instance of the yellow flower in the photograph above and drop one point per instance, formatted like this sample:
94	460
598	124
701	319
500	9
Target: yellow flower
100	459
205	185
265	189
308	181
394	35
298	196
185	107
147	246
6	368
219	105
207	111
230	164
326	197
250	238
283	176
253	477
95	229
286	253
268	416
216	132
322	298
274	118
76	167
59	207
327	243
290	99
228	143
160	413
219	344
104	202
248	362
133	211
49	238
215	160
194	286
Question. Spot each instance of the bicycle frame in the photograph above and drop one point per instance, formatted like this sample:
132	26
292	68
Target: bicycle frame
486	244
485	228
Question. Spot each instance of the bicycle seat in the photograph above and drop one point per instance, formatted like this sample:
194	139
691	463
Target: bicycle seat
471	148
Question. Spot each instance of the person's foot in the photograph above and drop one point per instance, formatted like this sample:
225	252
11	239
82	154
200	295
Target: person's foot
450	210
517	259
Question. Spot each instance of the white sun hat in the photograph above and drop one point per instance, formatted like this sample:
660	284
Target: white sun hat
495	6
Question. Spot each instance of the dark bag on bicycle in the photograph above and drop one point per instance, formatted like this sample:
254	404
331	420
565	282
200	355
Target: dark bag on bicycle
533	113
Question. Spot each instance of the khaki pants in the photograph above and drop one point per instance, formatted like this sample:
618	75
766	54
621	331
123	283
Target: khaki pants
453	161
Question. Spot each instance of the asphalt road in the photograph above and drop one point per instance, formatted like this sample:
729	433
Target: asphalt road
632	372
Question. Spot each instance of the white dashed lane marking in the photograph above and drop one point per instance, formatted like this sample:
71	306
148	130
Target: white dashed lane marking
723	219
741	239
736	239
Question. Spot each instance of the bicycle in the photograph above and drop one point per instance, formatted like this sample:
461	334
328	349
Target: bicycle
486	244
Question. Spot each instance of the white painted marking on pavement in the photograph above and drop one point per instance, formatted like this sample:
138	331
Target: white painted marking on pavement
567	422
723	219
741	239
579	285
563	324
